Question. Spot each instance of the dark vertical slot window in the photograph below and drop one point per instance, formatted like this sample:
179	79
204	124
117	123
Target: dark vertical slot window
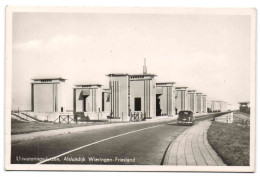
84	104
103	100
137	104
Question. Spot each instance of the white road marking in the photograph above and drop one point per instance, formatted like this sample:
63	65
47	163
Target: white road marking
87	145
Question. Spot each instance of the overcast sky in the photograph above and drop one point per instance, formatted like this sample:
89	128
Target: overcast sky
208	53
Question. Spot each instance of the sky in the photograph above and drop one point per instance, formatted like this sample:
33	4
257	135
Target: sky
208	53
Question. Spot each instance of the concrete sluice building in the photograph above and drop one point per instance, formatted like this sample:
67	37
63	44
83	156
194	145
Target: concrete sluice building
204	104
244	106
215	106
48	98
199	103
165	99
132	95
192	106
91	102
182	101
209	105
218	106
223	106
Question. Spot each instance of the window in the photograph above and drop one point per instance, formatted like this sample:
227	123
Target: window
137	104
103	101
84	104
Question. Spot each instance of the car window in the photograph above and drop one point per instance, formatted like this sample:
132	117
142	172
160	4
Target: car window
185	113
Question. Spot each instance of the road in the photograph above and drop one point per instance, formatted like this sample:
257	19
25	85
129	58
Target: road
130	144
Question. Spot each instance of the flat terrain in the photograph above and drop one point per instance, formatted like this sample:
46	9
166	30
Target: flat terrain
231	142
20	127
129	144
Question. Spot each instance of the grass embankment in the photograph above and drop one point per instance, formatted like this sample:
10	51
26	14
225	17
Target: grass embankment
19	127
231	142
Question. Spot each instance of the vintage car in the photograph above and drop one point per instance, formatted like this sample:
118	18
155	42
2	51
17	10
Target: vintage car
185	118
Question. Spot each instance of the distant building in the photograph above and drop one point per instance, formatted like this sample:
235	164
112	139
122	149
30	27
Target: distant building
48	95
218	106
165	99
244	106
192	101
199	102
132	94
128	96
223	106
215	106
92	100
181	99
209	106
204	103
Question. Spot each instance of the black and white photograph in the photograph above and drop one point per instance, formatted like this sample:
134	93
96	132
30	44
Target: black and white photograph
130	89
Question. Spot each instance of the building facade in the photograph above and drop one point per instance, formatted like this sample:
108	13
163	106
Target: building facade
218	106
87	98
165	99
128	95
92	101
223	106
132	94
199	102
48	95
204	103
244	106
181	98
192	101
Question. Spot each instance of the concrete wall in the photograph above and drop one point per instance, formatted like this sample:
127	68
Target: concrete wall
61	94
78	100
209	105
146	90
199	103
152	99
44	97
227	118
119	96
204	104
107	102
48	96
192	102
181	100
137	91
216	106
167	99
93	102
223	106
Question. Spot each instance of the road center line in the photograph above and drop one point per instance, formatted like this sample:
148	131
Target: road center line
87	145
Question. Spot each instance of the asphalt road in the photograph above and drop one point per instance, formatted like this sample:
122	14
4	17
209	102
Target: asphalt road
131	144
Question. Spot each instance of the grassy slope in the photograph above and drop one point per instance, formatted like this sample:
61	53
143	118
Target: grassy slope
231	142
19	127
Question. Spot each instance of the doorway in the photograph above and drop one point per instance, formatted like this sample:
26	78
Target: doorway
158	105
138	104
84	104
